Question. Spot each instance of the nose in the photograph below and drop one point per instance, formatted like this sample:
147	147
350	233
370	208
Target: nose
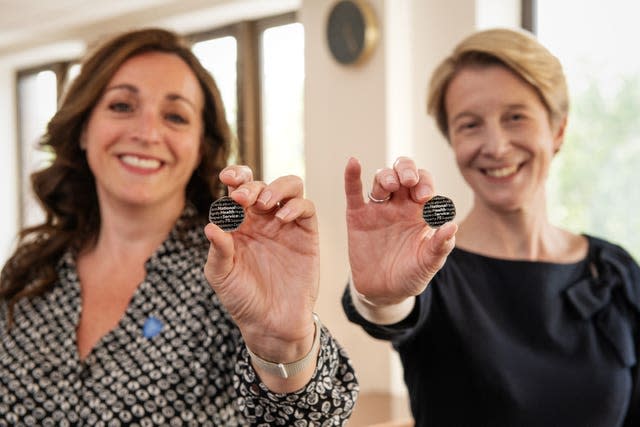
148	127
496	142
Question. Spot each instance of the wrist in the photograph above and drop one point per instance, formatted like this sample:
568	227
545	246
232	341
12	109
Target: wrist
380	313
288	362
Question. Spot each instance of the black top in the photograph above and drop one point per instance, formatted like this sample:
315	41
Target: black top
495	342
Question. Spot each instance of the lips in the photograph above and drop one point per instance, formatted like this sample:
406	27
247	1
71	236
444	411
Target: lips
501	172
140	162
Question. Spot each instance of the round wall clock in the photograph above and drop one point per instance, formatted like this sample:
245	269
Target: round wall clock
352	31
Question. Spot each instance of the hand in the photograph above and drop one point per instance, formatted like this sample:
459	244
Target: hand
266	273
393	253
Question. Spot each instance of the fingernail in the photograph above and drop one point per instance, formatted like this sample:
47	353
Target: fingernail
389	179
423	192
265	197
409	175
228	173
283	213
246	171
243	191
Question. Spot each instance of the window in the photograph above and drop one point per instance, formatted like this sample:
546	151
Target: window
219	56
259	69
37	101
282	101
593	180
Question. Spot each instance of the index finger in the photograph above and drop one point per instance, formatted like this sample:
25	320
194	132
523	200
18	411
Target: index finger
353	184
234	176
280	190
424	189
407	171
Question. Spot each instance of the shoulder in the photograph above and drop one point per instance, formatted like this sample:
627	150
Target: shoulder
611	250
612	260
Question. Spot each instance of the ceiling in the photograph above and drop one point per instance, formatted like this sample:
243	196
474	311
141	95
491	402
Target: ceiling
24	23
28	23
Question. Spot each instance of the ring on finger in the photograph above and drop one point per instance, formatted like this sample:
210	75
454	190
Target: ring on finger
374	200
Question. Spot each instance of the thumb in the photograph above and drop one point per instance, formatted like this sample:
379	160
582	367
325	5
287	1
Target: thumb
220	258
439	247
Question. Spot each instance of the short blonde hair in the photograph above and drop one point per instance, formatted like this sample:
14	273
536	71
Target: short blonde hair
517	50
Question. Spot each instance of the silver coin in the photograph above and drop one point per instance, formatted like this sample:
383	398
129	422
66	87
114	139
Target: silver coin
438	211
226	213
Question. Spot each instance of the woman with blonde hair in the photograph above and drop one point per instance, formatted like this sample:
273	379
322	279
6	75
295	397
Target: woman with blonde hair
504	319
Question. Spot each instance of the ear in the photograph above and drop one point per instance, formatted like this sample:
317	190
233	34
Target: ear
83	139
201	149
558	134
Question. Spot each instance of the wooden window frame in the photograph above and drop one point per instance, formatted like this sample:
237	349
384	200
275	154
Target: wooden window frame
528	19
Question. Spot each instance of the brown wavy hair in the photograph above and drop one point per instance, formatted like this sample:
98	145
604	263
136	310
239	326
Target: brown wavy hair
66	189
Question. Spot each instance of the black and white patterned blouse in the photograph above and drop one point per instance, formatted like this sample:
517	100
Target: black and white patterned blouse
176	358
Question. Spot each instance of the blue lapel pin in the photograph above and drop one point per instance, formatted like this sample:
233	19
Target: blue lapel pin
152	327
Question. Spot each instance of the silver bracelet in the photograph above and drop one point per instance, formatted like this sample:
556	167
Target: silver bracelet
286	370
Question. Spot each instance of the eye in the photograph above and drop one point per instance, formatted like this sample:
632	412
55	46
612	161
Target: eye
120	107
468	125
516	117
176	118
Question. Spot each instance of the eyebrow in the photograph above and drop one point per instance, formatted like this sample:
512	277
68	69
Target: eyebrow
517	106
509	107
462	116
131	88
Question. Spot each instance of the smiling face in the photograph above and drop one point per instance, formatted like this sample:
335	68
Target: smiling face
502	137
143	136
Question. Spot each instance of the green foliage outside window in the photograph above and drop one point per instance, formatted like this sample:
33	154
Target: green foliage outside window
594	185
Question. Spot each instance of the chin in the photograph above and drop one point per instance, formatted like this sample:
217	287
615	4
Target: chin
138	199
505	204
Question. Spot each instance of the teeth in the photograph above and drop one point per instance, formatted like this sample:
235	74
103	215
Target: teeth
502	172
140	163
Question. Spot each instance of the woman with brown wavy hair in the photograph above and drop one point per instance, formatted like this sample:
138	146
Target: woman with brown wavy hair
107	314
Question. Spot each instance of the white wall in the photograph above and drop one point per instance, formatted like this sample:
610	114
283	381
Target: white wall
345	115
375	112
8	163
